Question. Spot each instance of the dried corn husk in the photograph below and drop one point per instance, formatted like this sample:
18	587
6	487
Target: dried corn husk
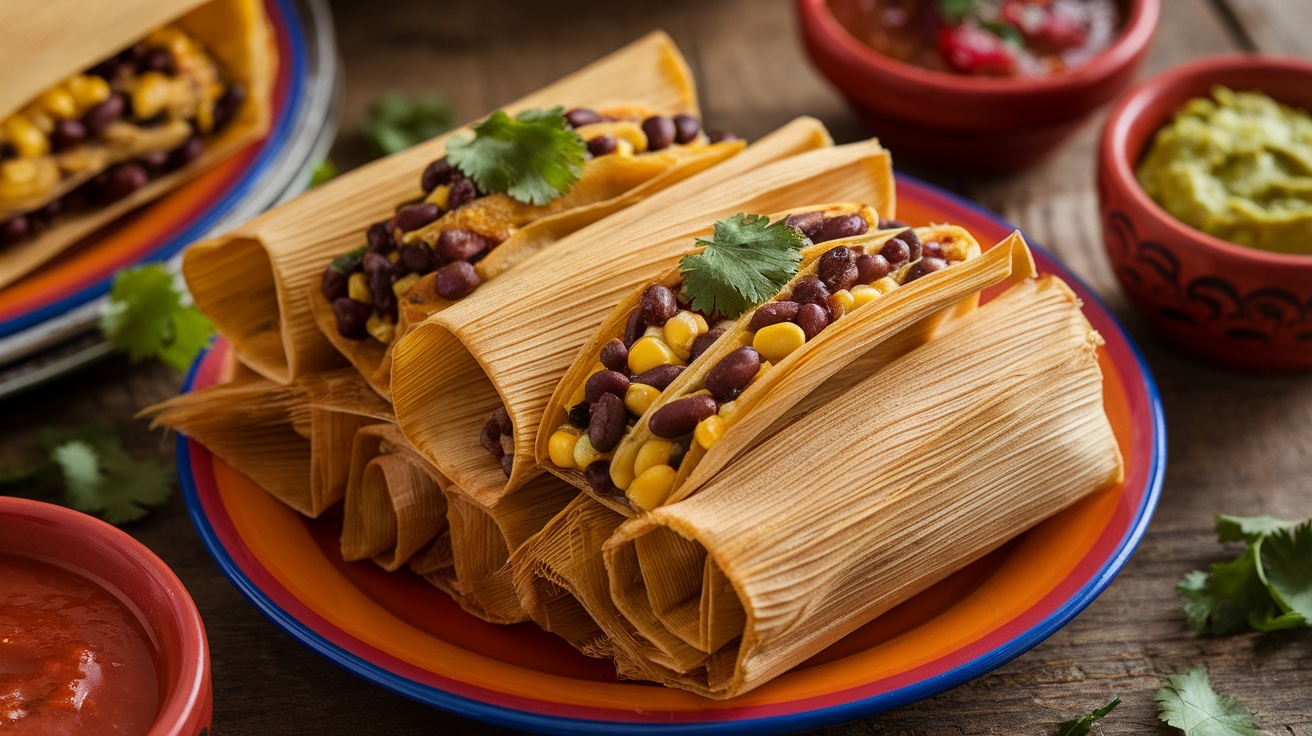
294	441
983	432
508	343
394	505
45	41
847	351
252	281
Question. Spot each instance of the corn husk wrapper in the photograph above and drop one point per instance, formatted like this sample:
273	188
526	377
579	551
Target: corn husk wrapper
252	281
293	441
394	507
46	41
983	432
508	344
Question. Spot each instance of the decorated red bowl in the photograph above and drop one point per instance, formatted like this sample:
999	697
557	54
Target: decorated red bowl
1227	304
97	635
967	122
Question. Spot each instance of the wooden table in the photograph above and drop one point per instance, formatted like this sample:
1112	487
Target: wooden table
1237	444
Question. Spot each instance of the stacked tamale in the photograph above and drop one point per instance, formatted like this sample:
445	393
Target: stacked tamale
772	536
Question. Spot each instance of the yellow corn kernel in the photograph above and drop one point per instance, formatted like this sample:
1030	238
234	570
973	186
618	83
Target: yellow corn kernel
441	196
585	454
561	448
709	430
382	329
702	327
357	287
776	341
680	332
623	147
648	353
840	303
18	171
652	487
87	91
404	284
151	95
28	139
863	294
653	452
639	398
59	103
621	474
727	410
885	285
656	332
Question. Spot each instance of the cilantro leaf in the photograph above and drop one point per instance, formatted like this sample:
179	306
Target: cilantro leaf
82	476
1286	569
101	478
1248	528
395	122
1189	703
746	262
1082	726
326	170
1225	601
534	157
954	10
147	317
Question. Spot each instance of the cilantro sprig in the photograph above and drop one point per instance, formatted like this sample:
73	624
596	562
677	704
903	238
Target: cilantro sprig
534	157
1084	725
1187	702
1269	586
396	121
149	316
747	261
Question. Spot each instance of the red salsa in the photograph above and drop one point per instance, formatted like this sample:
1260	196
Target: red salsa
73	659
988	38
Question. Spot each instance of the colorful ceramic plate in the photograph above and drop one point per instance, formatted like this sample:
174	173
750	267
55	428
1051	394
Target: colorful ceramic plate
395	631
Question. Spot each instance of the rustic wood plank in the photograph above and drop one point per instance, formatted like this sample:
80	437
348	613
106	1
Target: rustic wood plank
1274	26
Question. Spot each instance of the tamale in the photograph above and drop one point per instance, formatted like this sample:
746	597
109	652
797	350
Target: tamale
252	282
506	346
100	114
982	432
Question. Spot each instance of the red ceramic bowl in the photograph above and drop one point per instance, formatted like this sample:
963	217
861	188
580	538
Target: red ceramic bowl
142	582
972	123
1227	304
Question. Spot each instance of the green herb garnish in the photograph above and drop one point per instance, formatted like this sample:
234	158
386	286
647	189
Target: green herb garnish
954	10
150	316
395	122
326	170
347	263
1189	703
534	157
747	261
1083	725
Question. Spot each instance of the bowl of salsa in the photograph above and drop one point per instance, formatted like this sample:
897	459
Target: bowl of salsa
977	85
97	635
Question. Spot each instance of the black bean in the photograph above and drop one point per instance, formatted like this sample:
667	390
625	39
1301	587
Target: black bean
837	268
14	230
462	193
460	245
581	116
602	145
374	262
67	134
659	377
503	420
228	105
615	356
896	253
720	136
159	60
119	181
417	258
186	153
606	427
703	342
103	115
686	128
456	280
414	216
870	269
807	223
436	174
660	132
731	375
379	236
926	265
156	162
333	284
490	437
380	288
351	317
580	414
658	305
772	313
812	318
931	249
912	242
811	290
507	463
605	382
841	226
890	224
634	328
598	477
43	218
678	418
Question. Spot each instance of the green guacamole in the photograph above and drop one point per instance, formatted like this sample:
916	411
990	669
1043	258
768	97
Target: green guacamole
1237	166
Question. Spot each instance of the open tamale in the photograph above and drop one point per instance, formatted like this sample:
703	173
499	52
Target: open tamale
103	112
982	432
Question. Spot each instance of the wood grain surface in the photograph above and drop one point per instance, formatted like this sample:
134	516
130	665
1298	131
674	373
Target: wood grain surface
1238	444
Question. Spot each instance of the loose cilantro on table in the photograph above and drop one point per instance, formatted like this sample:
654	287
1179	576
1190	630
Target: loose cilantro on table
150	316
1083	725
1189	703
1268	588
395	122
747	261
324	171
534	157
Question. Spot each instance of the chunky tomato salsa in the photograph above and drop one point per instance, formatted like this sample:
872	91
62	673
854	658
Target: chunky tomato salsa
73	659
990	38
